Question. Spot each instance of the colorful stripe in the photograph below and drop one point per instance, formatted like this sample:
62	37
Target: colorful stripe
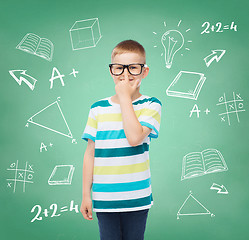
152	127
105	196
151	100
123	169
113	134
123	178
132	203
102	103
121	152
117	117
121	187
87	136
92	123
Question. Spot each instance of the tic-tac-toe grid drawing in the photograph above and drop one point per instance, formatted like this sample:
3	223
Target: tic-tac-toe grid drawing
19	175
231	107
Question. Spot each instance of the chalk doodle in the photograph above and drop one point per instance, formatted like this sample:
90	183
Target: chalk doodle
55	107
53	77
21	76
215	55
218	27
231	107
41	47
53	209
186	85
172	41
20	175
85	34
61	175
57	75
74	73
192	207
196	110
197	164
43	146
221	188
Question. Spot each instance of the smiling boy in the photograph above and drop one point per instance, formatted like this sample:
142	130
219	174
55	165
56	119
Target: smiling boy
116	160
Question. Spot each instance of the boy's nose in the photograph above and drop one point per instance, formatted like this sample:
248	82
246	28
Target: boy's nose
126	73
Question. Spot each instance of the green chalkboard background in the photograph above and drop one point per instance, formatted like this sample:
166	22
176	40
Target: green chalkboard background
179	135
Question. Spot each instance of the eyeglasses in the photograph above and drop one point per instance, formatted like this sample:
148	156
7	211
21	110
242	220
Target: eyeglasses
133	69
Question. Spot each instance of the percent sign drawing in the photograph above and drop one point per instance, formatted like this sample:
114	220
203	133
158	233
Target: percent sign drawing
20	175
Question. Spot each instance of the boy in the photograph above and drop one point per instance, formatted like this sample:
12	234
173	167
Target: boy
116	161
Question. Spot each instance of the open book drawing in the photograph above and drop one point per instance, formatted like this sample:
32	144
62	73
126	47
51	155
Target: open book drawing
33	44
196	164
186	85
61	175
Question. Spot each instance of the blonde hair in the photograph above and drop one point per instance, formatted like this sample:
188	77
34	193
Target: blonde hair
129	46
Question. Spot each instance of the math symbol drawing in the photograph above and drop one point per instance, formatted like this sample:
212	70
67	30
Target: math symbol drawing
61	175
231	108
52	118
172	41
85	34
19	176
33	44
197	164
192	207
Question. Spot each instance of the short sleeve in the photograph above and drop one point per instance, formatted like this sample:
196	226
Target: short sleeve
91	127
151	116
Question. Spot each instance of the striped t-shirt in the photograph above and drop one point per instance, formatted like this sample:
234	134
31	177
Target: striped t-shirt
121	178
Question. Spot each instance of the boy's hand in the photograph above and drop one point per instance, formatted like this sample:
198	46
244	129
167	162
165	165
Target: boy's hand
86	209
125	88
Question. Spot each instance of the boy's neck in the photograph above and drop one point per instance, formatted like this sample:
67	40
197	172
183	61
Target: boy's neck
115	98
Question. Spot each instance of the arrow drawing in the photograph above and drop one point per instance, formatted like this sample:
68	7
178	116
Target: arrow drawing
21	76
221	188
215	55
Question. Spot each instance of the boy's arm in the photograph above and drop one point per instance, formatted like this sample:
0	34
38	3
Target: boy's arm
88	164
134	131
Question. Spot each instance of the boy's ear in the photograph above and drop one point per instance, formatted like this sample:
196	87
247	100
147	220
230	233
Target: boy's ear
146	72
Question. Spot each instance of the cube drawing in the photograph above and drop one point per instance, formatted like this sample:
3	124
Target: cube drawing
85	34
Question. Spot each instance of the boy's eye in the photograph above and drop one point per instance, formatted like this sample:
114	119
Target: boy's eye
134	67
118	68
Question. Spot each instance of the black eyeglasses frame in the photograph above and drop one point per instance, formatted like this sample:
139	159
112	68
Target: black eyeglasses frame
127	66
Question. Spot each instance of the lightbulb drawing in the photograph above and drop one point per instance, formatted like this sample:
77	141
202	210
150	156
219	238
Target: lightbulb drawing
172	42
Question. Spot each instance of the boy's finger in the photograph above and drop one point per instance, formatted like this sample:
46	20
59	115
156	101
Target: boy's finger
137	84
86	215
126	78
90	215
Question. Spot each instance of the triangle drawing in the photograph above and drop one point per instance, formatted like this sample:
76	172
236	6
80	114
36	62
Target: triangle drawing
191	207
55	108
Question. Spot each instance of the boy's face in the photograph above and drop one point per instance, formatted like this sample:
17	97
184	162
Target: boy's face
126	59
